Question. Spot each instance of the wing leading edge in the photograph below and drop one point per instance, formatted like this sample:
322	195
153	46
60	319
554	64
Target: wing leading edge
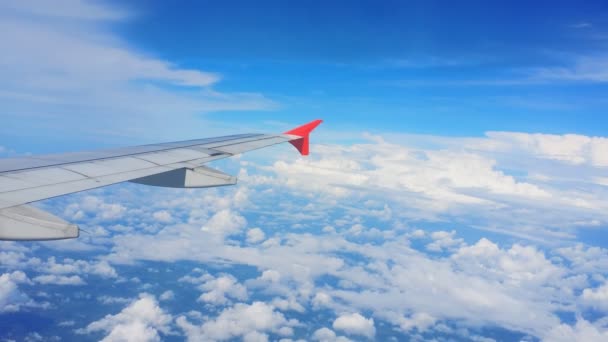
175	164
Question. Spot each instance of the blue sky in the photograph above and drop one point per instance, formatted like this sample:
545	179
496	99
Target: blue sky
457	189
415	67
419	67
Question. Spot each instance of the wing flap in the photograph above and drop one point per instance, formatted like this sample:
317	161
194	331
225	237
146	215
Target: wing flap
200	177
25	222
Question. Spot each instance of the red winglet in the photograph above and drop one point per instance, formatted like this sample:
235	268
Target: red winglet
303	131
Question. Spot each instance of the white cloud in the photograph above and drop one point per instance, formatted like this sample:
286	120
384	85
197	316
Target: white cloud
218	290
114	300
254	336
355	324
238	321
255	235
327	335
71	266
272	276
581	331
103	269
519	264
585	259
95	206
443	240
162	216
597	298
381	165
569	148
321	299
475	284
585	69
11	299
167	295
65	61
420	321
67	9
463	178
225	223
59	280
142	320
418	233
289	304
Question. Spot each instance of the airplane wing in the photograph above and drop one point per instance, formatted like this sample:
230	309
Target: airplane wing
175	164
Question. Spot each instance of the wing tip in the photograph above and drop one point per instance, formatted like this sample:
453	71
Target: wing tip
303	143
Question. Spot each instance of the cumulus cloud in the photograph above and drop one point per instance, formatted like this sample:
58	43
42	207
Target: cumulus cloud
255	235
272	276
255	336
597	297
218	290
321	299
420	321
495	183
162	216
241	320
167	295
355	324
475	284
142	320
225	223
59	280
11	298
327	335
97	207
519	264
381	165
443	240
568	148
71	266
582	331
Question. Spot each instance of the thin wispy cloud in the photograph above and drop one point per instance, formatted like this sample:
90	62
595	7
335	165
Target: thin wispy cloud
582	69
581	25
61	63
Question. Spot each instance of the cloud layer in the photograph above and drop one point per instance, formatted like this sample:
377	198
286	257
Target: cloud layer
380	238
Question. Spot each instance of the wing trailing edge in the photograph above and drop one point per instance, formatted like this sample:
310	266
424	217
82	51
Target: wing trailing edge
25	222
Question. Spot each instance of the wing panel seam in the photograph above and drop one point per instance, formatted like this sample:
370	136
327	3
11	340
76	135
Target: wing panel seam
59	163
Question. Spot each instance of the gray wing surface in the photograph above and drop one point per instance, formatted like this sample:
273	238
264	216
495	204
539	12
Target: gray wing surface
176	164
